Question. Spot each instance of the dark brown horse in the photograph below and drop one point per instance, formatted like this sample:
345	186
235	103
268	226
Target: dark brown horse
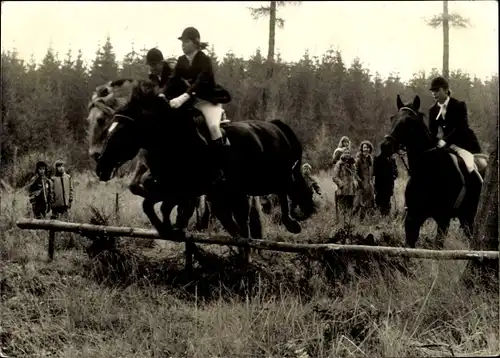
105	100
265	158
435	184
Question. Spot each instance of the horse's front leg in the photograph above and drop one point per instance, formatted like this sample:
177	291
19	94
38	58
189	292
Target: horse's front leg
290	223
149	210
412	229
443	224
141	174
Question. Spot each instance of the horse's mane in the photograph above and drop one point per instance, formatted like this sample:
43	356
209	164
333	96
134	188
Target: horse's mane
113	95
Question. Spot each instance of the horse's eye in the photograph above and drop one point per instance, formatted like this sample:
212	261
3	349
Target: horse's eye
101	121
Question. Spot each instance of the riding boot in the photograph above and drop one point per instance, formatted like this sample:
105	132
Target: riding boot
221	148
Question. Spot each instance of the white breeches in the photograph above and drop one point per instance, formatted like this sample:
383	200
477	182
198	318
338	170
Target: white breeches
467	156
212	113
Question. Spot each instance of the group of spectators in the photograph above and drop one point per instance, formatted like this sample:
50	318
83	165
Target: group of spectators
365	183
50	193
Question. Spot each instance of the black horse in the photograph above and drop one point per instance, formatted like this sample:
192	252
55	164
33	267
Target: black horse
105	101
435	184
265	158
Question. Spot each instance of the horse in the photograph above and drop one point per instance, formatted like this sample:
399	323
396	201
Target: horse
436	183
265	158
105	100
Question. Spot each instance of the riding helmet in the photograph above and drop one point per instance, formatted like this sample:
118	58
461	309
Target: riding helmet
154	56
190	33
439	82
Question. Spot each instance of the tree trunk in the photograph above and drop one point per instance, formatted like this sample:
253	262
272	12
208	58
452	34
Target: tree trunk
272	31
486	228
270	59
446	41
486	221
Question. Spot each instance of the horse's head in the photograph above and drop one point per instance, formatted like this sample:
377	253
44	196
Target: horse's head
135	125
106	99
408	128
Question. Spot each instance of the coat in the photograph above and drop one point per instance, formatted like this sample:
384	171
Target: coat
385	172
455	126
162	80
200	77
62	192
40	192
364	176
343	176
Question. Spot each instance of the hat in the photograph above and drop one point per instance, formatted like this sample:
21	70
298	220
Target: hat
439	82
190	33
154	56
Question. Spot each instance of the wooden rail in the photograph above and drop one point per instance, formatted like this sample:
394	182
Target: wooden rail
55	226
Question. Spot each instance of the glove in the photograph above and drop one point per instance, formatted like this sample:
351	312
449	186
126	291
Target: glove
179	101
441	143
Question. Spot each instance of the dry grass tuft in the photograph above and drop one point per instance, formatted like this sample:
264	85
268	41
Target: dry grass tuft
107	298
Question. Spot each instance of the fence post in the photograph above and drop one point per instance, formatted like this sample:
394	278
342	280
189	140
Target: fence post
14	183
117	207
52	237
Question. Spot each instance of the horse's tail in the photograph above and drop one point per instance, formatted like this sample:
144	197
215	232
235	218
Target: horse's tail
300	194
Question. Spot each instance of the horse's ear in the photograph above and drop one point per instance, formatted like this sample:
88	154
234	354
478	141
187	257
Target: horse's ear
399	102
416	103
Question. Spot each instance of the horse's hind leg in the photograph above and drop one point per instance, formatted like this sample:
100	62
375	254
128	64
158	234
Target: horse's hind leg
241	209
290	223
412	229
185	210
443	224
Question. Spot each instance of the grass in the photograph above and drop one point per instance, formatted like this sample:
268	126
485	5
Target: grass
136	301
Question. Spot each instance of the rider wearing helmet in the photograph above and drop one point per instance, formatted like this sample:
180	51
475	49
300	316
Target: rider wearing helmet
159	69
449	124
195	70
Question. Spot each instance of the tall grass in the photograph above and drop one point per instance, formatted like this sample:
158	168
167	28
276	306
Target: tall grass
142	305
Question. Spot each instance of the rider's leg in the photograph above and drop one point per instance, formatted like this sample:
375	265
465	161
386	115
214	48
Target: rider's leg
469	162
212	114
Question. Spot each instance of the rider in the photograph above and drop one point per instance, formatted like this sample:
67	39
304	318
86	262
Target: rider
194	68
159	69
448	123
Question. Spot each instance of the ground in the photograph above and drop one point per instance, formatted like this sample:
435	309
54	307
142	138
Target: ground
136	301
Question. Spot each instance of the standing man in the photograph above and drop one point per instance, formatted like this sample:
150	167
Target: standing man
62	191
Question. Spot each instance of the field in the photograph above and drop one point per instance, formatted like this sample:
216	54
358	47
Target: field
137	302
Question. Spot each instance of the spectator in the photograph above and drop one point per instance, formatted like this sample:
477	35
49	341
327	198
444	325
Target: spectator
344	177
344	144
40	191
62	192
311	183
364	199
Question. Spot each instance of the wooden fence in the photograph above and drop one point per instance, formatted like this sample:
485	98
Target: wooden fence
54	226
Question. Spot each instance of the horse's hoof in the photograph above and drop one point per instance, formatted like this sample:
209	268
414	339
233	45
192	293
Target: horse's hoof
292	226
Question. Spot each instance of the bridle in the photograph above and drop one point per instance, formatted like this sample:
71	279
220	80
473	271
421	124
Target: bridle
399	152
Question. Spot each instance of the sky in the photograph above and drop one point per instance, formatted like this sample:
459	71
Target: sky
387	36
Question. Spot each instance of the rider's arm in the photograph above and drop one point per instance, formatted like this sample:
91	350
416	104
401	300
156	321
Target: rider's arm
205	75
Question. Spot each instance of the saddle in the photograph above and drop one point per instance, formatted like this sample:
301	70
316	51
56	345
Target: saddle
201	125
480	162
